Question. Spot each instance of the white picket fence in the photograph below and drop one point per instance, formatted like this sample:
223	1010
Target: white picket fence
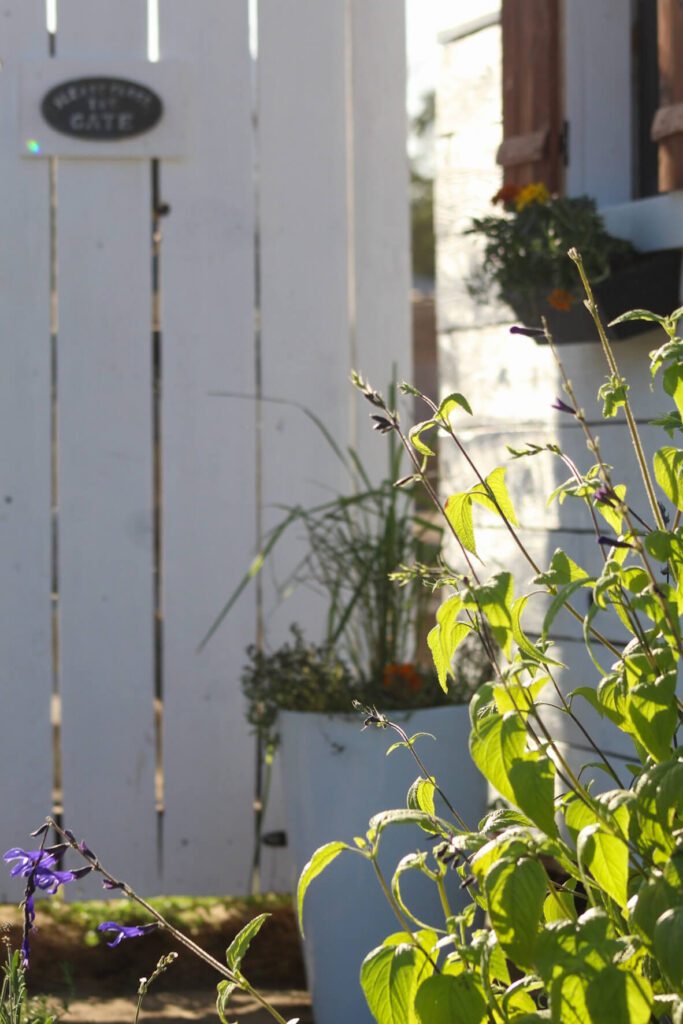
118	546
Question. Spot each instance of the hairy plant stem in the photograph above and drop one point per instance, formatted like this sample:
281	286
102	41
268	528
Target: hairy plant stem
614	369
239	981
443	898
425	774
398	913
593	446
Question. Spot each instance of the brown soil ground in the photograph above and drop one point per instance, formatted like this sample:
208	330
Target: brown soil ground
99	983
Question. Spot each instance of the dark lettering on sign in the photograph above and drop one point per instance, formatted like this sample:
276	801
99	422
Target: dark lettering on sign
102	108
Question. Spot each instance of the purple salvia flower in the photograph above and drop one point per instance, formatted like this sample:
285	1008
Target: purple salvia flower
29	919
605	495
122	932
561	406
39	865
111	884
529	332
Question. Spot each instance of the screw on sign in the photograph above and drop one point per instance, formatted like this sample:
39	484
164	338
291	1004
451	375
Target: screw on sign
102	108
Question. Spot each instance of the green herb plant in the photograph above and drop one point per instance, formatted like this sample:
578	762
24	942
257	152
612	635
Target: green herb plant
575	910
16	1006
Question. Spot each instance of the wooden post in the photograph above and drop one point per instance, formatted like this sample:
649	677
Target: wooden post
667	127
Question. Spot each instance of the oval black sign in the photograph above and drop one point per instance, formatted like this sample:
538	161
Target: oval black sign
101	108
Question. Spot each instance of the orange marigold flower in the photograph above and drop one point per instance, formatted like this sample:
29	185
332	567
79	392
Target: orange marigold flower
403	675
534	193
506	194
560	299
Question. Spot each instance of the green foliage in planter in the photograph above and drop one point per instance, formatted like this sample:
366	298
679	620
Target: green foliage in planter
576	885
301	676
525	249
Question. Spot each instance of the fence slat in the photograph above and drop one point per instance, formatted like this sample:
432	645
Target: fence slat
208	451
105	478
25	635
305	327
380	208
305	322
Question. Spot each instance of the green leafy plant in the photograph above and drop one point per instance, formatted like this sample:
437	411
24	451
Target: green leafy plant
581	886
367	555
301	676
16	1007
525	249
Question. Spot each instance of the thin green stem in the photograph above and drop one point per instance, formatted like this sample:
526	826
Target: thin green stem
181	937
398	913
614	369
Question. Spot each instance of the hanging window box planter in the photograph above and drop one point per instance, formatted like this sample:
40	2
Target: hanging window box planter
651	282
525	260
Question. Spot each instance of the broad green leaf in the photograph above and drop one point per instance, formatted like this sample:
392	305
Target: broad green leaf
562	570
559	906
321	859
670	422
412	862
651	708
415	436
577	815
668	944
421	795
618	997
558	602
525	645
494	599
609	513
515	892
502	503
568	1000
516	696
459	514
672	382
524	777
668	467
240	944
406	816
445	999
653	899
389	977
614	394
606	857
451	403
638	314
445	638
225	990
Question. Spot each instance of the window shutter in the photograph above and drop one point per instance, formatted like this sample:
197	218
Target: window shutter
667	127
532	115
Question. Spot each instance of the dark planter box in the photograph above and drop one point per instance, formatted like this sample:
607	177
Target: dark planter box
653	283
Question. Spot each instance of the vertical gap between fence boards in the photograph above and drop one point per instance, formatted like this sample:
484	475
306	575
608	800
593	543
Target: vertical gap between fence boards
56	694
259	809
159	209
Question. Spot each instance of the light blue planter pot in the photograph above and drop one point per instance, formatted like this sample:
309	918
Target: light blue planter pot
335	777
